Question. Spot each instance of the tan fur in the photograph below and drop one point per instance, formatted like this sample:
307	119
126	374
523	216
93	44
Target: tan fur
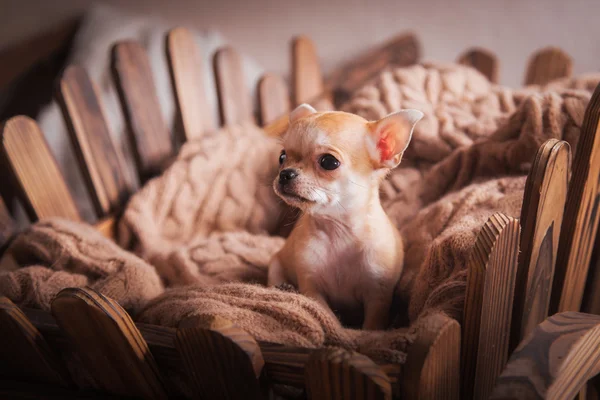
344	251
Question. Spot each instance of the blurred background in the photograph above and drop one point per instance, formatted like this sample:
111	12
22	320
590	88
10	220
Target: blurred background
341	29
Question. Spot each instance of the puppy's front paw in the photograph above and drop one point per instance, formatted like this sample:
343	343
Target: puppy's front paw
376	314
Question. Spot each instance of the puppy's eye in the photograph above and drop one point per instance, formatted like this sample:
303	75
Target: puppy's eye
282	157
329	162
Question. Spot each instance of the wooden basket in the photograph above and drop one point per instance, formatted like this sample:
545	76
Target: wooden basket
90	347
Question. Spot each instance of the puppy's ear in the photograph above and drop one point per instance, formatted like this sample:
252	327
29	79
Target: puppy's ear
301	111
390	136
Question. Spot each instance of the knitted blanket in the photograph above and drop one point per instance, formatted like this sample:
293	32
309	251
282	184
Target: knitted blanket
194	243
468	158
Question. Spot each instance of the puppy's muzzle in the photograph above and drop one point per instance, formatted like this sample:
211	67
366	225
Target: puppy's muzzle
287	176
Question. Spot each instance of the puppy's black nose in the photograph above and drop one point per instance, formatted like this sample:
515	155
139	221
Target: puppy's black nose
287	175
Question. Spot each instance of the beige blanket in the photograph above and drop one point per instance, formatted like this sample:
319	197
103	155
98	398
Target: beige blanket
212	218
473	132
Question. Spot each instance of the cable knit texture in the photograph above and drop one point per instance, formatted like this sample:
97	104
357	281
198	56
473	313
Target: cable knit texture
211	217
474	146
57	253
194	243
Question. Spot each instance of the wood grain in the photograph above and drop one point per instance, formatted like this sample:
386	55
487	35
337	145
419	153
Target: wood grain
432	368
288	365
222	361
34	170
591	295
24	352
160	341
483	60
541	220
234	97
273	97
100	159
492	271
108	343
334	373
554	361
548	64
283	364
186	68
580	222
496	309
150	137
401	50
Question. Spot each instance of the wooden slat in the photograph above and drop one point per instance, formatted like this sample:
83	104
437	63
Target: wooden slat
491	278
108	343
186	70
401	50
334	373
432	368
222	361
307	79
483	60
7	226
160	340
33	167
148	132
234	97
541	219
100	159
591	296
580	221
273	97
283	364
554	361
548	64
24	351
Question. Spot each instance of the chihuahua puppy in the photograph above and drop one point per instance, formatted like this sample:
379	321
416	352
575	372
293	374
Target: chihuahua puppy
343	251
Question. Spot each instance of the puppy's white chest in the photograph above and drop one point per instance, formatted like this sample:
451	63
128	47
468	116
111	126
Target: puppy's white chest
340	268
322	251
